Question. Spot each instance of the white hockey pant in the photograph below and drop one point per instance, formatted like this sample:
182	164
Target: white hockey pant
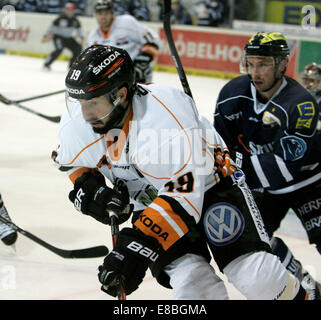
261	276
193	278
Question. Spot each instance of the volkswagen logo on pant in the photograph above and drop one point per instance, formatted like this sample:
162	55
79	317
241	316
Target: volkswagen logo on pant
223	223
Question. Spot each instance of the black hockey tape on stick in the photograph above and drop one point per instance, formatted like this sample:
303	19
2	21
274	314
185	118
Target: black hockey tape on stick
121	295
93	252
167	4
4	100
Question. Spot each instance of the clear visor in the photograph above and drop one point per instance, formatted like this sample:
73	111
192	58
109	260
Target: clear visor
243	64
94	110
261	64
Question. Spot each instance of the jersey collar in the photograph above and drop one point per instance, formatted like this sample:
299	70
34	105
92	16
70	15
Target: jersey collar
259	106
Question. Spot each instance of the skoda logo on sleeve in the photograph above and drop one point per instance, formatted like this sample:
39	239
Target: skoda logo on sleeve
223	223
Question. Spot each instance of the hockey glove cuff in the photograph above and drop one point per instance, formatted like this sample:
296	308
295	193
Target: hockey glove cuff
92	197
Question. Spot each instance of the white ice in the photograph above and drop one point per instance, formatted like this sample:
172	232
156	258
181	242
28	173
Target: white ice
36	194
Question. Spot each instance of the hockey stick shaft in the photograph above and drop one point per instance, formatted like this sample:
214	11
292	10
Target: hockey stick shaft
55	119
92	252
40	96
121	295
172	47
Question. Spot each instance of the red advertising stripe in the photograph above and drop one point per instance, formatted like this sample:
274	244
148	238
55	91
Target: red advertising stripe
211	51
205	50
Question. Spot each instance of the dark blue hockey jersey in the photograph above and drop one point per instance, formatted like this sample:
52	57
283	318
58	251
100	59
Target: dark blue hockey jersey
281	149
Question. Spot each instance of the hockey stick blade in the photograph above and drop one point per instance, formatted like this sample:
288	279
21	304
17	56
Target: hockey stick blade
93	252
4	100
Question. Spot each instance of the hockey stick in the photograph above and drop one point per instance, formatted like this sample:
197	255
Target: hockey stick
121	294
4	100
92	252
38	97
172	47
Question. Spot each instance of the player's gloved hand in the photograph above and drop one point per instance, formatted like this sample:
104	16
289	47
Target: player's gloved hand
93	197
142	66
130	258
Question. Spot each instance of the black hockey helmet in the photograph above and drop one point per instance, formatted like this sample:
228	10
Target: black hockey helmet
267	44
100	70
104	5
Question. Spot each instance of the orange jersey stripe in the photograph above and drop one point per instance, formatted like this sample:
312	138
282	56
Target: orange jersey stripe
157	227
165	205
80	152
162	223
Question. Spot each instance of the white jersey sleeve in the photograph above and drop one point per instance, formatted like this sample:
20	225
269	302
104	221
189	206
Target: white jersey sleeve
129	34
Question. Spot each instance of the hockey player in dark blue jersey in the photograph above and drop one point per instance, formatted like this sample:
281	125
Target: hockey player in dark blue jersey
311	80
270	122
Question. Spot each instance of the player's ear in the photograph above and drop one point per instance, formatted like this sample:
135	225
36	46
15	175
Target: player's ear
122	93
283	65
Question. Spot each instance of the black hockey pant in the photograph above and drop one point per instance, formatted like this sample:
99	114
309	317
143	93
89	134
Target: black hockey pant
61	43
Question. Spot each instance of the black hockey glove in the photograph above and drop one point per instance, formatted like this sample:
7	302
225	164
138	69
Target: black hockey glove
92	197
142	67
130	258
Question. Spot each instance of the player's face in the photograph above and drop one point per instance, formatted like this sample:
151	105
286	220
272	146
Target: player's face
310	84
96	111
262	71
104	18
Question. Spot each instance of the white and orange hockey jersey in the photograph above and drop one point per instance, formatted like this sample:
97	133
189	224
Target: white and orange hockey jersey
164	148
129	34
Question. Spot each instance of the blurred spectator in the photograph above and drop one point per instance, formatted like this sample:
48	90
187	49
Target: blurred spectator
81	6
53	6
209	13
245	10
46	6
135	8
179	13
28	5
139	9
8	3
121	7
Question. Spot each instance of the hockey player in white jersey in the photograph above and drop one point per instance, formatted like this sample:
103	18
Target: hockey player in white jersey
126	32
177	174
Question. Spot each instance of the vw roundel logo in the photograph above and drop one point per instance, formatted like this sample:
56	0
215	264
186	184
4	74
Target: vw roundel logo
223	223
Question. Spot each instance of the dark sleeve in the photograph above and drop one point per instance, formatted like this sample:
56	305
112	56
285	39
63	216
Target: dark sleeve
56	21
292	147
